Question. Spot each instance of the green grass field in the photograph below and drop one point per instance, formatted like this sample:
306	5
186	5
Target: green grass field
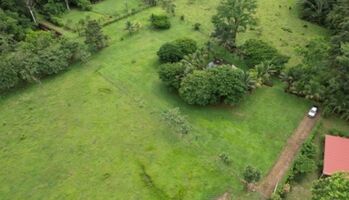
96	131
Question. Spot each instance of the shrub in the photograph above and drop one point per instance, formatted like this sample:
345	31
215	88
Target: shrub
257	51
170	52
197	26
309	149
176	50
160	21
302	165
8	75
172	74
197	89
228	84
251	175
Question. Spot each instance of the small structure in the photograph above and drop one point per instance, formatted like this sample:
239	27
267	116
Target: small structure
336	158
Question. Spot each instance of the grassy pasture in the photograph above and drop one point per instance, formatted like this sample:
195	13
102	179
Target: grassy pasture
96	131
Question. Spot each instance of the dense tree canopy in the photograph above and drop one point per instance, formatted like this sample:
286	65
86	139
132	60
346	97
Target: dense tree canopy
233	16
335	187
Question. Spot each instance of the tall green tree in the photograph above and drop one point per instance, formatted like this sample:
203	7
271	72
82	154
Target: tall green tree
233	16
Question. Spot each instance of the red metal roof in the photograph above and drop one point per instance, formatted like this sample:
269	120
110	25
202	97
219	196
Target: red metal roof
336	157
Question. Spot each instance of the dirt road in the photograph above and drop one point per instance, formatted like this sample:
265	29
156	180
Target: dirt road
267	186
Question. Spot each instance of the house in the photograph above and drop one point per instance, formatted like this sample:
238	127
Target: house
336	155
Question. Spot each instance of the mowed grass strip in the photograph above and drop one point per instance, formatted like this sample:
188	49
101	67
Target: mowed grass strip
96	132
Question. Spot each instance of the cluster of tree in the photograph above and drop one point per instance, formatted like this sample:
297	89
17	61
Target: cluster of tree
322	79
39	55
198	83
28	55
48	8
324	74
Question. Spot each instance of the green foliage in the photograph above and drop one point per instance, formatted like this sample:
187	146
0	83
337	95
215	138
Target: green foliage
177	121
82	4
39	55
186	45
262	73
94	36
233	16
197	60
160	21
52	8
197	26
316	81
302	165
133	27
315	10
251	175
228	84
197	89
176	50
335	187
257	51
172	74
309	149
169	52
8	75
13	25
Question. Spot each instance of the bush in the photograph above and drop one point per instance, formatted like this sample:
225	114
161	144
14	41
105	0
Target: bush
257	51
170	52
176	50
160	21
309	149
228	84
8	75
197	89
302	165
197	26
251	175
172	74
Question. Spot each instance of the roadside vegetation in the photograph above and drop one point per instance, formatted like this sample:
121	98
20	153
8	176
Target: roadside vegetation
145	99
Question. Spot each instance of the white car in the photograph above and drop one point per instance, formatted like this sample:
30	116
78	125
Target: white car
312	112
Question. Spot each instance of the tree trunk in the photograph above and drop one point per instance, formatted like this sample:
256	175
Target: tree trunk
67	4
32	14
29	6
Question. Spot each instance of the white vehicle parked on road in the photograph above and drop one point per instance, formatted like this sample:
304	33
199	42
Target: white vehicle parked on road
312	112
